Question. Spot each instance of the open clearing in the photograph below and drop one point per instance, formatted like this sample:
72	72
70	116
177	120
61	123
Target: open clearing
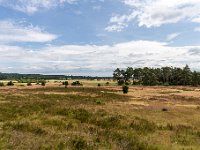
91	117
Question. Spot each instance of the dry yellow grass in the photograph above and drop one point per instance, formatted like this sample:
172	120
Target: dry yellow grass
155	117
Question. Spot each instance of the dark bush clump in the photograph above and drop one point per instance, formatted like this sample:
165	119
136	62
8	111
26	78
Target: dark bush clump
65	83
99	85
107	83
99	102
10	83
76	83
125	89
43	83
29	84
1	84
164	109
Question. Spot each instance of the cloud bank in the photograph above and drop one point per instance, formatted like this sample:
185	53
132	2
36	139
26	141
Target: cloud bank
95	60
11	31
32	6
155	13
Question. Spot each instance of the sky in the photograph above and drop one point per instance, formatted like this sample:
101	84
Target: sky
94	37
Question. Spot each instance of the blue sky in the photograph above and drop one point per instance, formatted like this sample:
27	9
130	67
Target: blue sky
93	37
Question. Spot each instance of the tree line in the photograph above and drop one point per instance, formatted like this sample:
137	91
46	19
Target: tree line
157	76
35	77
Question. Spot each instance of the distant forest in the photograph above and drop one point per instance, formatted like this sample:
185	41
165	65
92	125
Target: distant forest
157	76
16	76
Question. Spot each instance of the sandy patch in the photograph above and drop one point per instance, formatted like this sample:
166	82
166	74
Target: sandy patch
72	93
187	105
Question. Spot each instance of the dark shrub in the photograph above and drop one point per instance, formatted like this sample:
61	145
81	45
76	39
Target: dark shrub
10	83
107	83
43	83
76	83
65	83
125	89
99	102
1	84
99	85
164	109
29	84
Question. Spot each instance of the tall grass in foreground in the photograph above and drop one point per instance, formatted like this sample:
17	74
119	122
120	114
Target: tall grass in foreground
56	118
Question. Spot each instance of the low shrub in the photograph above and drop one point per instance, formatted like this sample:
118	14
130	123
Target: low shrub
65	83
10	83
29	84
1	84
164	109
76	83
99	102
125	89
43	83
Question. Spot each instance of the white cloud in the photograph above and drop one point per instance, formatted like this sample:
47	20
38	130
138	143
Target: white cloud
118	23
96	60
172	36
32	6
115	28
154	13
14	32
196	20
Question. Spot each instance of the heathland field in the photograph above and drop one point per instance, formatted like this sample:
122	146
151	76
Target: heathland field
91	117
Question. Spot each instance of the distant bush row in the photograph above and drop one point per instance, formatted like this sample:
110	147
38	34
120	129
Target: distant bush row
11	83
75	83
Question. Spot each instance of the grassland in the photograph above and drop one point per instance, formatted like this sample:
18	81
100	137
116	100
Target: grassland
91	117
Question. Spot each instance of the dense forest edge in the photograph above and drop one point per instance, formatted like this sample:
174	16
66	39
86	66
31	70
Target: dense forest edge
130	76
157	76
36	77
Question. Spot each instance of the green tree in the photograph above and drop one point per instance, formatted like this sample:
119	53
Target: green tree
128	74
137	75
186	76
166	75
118	75
65	83
195	78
